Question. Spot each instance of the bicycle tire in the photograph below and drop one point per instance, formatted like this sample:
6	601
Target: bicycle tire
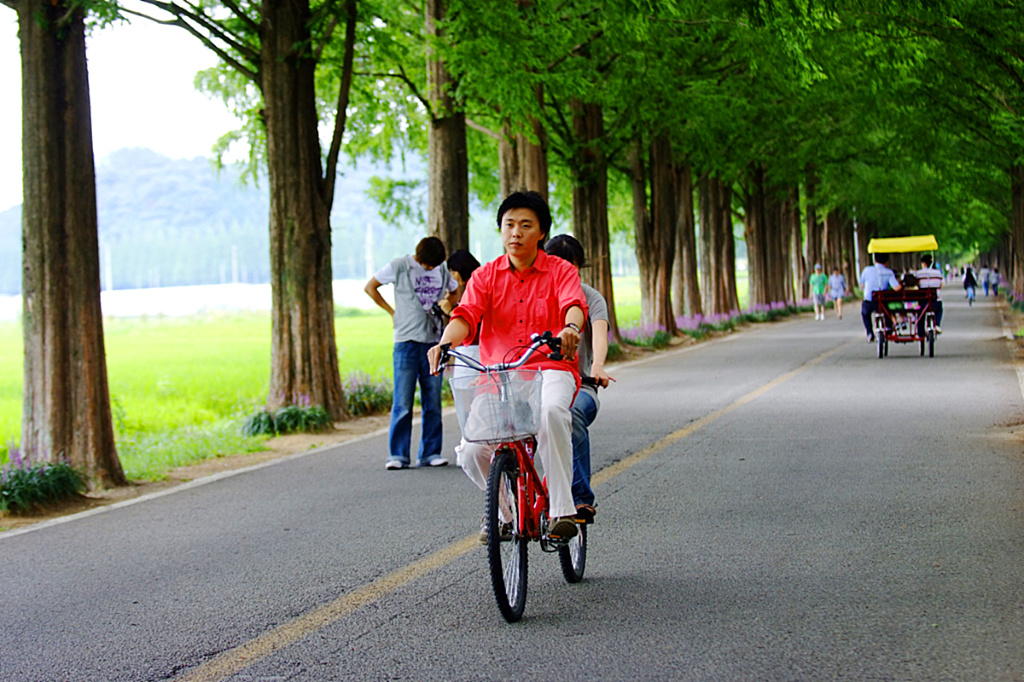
506	550
573	556
931	344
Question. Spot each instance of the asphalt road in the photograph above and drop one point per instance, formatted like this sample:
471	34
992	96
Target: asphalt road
776	505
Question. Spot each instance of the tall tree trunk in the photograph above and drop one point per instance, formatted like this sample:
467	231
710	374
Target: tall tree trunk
717	247
849	241
685	283
780	258
726	247
448	203
835	226
66	400
1017	227
799	273
304	365
813	228
865	231
655	237
590	203
523	158
756	231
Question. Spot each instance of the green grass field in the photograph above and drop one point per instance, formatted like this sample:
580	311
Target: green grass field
180	386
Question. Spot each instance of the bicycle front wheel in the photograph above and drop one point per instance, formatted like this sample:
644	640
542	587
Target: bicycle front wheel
506	548
573	556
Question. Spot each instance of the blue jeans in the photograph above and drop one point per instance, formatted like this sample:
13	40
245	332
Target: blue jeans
411	366
584	412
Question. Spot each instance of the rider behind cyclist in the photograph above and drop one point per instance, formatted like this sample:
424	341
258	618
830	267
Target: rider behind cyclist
592	352
523	292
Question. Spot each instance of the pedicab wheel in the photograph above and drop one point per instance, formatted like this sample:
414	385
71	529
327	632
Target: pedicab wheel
506	548
931	344
881	344
573	556
922	347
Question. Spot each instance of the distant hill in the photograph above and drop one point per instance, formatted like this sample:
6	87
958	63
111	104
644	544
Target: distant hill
170	222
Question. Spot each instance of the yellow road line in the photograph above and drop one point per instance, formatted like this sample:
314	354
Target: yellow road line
237	659
244	655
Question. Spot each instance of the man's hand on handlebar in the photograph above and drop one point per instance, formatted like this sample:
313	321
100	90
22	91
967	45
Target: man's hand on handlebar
570	339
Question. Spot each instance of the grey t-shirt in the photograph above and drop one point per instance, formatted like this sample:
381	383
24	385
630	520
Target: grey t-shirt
416	290
597	309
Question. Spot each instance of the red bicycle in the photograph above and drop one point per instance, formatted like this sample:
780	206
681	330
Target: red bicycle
500	405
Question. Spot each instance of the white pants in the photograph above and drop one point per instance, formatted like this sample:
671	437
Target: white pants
554	444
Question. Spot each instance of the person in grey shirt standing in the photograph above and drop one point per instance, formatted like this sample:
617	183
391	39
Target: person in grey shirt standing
421	280
592	353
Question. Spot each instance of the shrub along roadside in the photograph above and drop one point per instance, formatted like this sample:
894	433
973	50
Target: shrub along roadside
26	487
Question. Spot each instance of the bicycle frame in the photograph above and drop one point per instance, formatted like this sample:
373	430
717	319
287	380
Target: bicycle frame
531	493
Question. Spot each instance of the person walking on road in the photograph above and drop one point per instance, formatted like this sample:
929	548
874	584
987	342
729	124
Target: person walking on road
838	290
421	280
970	284
874	278
818	281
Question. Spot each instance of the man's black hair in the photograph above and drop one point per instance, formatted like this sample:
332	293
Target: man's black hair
533	201
566	247
463	262
927	260
430	252
882	258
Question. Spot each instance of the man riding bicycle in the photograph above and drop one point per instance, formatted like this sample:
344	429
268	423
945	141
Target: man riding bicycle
526	291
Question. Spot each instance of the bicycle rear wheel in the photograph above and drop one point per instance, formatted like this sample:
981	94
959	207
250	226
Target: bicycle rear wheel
573	556
506	548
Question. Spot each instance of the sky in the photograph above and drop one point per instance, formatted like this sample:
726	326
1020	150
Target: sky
140	78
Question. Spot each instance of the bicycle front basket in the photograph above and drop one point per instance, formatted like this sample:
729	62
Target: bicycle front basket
495	407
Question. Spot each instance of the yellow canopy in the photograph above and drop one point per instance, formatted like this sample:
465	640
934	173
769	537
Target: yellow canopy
925	242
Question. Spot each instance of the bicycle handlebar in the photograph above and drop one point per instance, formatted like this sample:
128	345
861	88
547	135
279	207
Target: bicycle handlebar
546	339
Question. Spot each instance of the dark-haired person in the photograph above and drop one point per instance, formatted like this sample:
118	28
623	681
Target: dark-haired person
592	353
877	277
526	291
421	280
462	265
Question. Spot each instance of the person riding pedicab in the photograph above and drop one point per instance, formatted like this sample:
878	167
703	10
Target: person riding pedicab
875	278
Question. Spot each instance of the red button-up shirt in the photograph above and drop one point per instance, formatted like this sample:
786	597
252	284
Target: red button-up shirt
510	306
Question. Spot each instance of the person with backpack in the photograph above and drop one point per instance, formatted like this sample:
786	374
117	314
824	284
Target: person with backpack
421	280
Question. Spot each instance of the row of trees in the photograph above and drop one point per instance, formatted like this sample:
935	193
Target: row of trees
674	118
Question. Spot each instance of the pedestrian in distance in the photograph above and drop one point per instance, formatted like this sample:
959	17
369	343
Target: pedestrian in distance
838	290
592	353
983	278
970	284
994	279
522	292
818	281
421	280
875	278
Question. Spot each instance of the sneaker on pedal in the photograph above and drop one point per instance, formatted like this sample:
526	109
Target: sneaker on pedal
562	528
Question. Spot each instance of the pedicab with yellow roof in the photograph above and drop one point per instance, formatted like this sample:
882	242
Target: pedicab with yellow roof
907	315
